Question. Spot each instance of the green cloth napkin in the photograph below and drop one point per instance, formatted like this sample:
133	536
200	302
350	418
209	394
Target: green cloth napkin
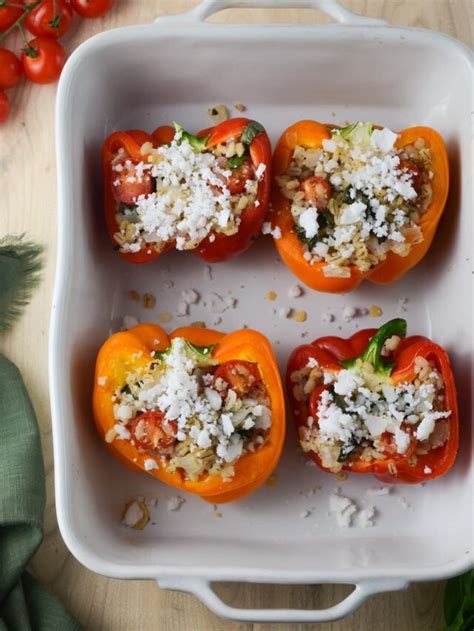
24	604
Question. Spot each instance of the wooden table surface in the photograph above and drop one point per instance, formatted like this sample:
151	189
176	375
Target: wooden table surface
27	167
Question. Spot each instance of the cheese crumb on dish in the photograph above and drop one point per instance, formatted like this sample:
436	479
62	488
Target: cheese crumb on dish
343	509
295	291
274	232
136	514
358	197
363	416
174	503
182	414
129	322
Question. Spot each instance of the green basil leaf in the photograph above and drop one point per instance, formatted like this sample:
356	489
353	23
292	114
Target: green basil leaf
236	161
250	131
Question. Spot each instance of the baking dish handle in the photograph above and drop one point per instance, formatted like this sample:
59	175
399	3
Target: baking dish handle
331	7
202	589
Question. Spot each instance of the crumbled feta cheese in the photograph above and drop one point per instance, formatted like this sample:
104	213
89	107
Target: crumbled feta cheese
284	312
349	313
343	508
101	381
427	470
312	363
308	220
190	296
174	503
150	464
328	317
366	516
353	213
129	322
121	431
123	413
182	309
274	232
260	170
381	490
384	139
136	515
295	291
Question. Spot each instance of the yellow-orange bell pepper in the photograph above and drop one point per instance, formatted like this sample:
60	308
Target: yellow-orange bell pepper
127	351
310	134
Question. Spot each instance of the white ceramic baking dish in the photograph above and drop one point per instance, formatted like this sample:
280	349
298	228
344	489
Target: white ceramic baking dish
174	69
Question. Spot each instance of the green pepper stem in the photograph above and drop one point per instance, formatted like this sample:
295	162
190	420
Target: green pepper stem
198	144
373	353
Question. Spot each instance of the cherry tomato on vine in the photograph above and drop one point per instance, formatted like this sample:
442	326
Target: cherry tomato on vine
43	59
91	8
4	107
51	18
10	69
9	15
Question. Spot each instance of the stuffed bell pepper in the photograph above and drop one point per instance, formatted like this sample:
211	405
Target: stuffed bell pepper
200	410
358	202
378	402
207	193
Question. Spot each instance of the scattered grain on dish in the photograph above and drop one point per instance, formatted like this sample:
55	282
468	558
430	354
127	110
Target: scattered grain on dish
271	295
300	315
199	324
218	113
165	316
240	107
375	311
149	301
133	295
271	480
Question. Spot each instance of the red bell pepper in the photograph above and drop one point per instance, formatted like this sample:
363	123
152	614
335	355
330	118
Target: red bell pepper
333	354
218	247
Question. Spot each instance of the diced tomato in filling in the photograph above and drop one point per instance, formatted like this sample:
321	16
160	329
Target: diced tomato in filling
126	191
317	191
413	171
240	175
240	376
151	432
389	447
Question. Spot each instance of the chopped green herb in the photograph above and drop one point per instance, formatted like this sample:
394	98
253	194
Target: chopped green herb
236	161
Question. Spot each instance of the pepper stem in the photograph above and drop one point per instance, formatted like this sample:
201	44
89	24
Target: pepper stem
373	353
198	144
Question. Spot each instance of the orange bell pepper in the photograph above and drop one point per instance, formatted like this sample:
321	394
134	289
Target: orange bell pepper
335	353
310	134
128	351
